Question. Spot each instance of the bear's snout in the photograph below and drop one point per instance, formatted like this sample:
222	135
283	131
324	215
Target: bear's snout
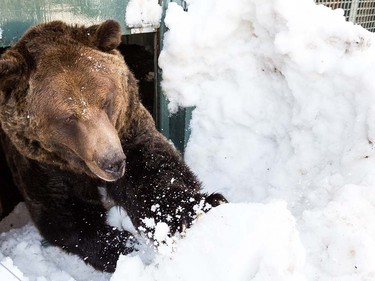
115	166
108	166
97	143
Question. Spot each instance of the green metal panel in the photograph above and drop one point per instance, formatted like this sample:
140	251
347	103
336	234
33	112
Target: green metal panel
175	127
16	16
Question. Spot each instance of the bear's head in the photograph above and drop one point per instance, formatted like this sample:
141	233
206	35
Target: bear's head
64	97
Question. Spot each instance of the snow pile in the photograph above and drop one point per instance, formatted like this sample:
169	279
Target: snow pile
9	272
142	13
283	93
284	97
247	246
339	239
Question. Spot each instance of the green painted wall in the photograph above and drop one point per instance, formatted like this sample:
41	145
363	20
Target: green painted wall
175	127
18	15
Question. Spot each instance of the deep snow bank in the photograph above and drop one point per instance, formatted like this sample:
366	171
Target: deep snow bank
284	94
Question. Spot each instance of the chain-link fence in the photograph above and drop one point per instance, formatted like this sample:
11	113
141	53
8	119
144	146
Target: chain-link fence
358	11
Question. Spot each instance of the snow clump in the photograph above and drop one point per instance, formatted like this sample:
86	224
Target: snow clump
142	13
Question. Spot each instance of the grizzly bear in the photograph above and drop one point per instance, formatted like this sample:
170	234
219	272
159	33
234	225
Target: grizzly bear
71	123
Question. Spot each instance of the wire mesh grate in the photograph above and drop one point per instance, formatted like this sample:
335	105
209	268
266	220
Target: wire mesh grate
366	14
358	11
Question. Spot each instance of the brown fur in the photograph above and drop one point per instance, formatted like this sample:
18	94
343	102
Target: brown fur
61	67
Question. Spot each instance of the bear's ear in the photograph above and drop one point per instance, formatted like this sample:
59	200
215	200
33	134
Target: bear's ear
108	35
10	69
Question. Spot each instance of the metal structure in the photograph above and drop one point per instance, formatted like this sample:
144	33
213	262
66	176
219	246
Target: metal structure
361	12
16	16
175	127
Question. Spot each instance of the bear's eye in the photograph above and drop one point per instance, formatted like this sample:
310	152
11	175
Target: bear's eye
107	106
69	118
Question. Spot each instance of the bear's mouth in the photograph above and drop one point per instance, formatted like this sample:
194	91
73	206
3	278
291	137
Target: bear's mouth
107	171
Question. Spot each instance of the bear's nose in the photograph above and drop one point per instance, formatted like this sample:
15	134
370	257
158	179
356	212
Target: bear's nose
116	168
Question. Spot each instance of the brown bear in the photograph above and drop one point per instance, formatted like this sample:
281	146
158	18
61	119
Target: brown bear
71	122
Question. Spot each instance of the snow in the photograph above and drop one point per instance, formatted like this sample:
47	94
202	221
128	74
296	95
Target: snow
205	255
283	125
161	231
283	92
9	272
143	13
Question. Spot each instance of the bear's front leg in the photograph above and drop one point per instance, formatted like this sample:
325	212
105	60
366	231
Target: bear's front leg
158	187
67	210
80	229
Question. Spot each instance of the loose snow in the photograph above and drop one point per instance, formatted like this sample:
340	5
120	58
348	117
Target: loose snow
283	126
225	246
143	13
